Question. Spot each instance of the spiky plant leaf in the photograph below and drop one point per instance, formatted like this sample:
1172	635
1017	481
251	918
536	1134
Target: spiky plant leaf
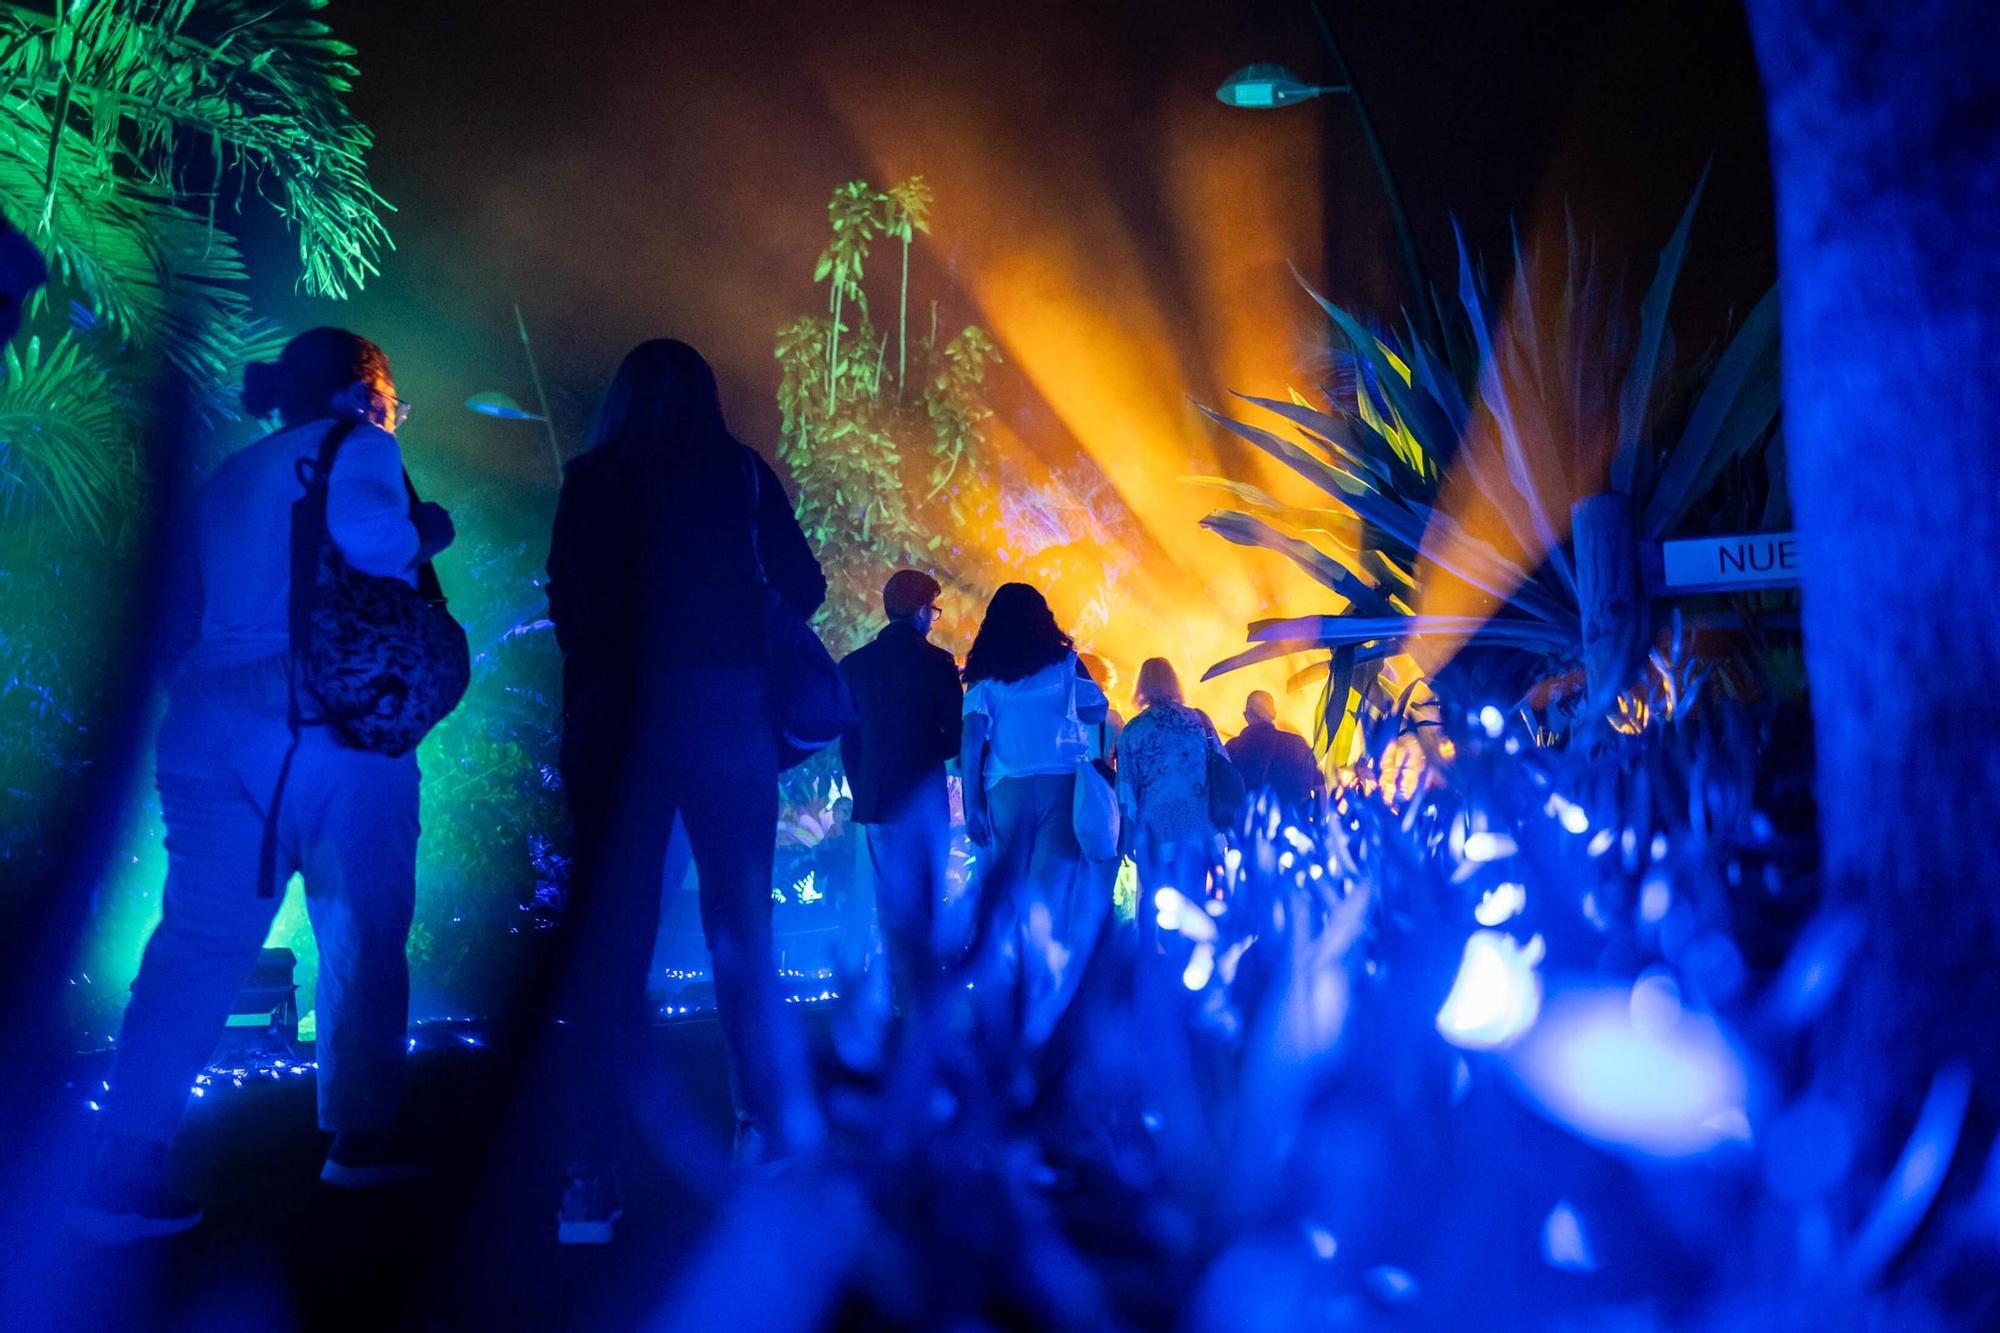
1737	411
1530	409
1628	464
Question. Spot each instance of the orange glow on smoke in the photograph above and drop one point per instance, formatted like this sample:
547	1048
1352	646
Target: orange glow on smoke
1112	353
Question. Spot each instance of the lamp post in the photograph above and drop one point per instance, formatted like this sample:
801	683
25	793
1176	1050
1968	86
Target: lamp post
491	403
1266	87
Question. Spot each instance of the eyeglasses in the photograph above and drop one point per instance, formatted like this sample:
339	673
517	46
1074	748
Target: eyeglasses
385	411
388	413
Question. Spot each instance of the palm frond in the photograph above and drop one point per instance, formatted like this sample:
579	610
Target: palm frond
66	437
157	273
259	83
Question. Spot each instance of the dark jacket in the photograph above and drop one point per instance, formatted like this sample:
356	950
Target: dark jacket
659	573
907	697
1280	760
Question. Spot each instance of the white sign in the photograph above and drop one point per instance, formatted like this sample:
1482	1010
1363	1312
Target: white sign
1730	564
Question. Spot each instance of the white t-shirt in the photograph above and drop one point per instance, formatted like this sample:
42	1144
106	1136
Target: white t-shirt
242	534
1029	730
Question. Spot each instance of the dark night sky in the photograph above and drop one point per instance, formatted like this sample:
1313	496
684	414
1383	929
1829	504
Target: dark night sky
626	169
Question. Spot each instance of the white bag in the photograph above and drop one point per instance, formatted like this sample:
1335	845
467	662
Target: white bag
1094	809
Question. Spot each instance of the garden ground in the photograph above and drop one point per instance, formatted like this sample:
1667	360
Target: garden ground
472	1248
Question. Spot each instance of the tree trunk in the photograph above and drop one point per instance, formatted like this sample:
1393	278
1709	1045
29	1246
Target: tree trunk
1885	134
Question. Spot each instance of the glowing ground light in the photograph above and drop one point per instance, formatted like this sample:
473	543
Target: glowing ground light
1629	1068
1565	1242
1392	1285
1500	904
1486	846
1200	967
1655	897
1176	913
1497	993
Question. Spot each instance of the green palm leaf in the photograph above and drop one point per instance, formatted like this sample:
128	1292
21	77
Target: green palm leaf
66	438
259	83
157	273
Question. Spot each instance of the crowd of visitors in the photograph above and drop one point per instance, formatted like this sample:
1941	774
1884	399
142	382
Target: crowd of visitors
317	651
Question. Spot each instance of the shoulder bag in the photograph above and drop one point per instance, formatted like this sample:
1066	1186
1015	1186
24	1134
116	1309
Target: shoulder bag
812	705
1094	807
1226	788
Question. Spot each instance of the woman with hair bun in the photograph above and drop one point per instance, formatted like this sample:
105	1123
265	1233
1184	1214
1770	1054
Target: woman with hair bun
249	797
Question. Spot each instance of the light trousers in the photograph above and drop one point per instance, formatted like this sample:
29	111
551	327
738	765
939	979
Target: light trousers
1041	899
907	860
348	824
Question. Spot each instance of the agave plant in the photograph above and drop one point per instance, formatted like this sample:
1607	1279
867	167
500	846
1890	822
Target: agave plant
112	112
1450	475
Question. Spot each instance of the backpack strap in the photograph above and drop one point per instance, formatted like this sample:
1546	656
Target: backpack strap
308	536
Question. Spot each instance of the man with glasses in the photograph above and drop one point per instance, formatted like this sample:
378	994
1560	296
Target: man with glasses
908	698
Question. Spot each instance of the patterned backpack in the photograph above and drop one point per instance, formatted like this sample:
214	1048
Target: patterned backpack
383	662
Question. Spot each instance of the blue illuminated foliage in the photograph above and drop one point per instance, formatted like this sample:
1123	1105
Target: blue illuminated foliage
1517	1047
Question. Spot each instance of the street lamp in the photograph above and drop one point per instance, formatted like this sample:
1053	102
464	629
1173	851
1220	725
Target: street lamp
493	403
1263	87
1266	86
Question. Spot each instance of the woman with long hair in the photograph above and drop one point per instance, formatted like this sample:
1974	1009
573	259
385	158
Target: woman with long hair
669	536
1163	772
246	805
1029	704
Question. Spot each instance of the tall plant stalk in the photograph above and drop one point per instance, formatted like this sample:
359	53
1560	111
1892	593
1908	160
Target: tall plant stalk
833	348
541	397
908	212
903	323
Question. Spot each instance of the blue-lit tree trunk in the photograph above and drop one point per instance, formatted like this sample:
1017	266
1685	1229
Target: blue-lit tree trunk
1885	134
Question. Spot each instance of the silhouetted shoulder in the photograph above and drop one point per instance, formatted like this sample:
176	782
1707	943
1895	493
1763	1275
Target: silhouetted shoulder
586	466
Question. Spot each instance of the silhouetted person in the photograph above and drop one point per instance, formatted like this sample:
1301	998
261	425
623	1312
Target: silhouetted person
1101	743
1163	772
347	819
1271	758
669	535
1028	705
908	699
1103	738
